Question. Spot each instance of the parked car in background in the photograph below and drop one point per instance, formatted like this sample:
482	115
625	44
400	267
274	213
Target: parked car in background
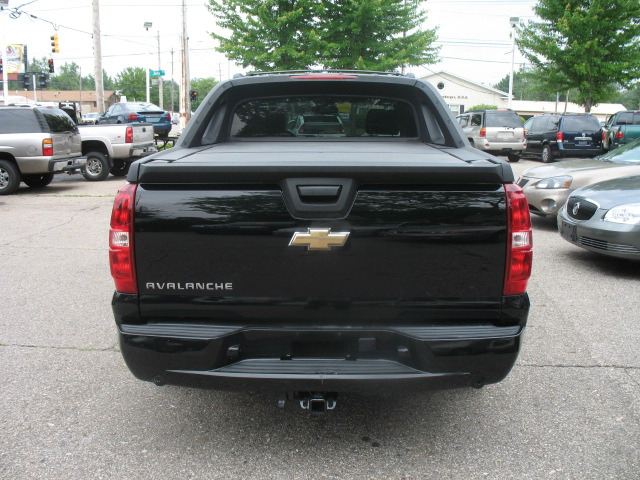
547	187
621	128
36	142
563	135
112	148
499	132
89	118
604	218
314	125
136	112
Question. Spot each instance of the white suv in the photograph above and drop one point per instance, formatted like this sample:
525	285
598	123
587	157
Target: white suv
35	143
499	132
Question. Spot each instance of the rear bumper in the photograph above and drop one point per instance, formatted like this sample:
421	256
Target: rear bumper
66	165
337	359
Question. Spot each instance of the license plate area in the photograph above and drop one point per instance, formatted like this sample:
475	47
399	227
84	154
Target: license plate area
568	231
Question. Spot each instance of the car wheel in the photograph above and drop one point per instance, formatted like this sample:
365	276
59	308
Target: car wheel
120	168
513	158
547	154
38	181
9	178
97	168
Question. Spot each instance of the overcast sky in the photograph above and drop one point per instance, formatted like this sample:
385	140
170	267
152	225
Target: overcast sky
474	35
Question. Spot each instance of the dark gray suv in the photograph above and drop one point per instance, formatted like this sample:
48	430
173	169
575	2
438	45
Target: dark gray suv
36	142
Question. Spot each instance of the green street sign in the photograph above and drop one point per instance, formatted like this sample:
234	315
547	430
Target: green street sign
156	73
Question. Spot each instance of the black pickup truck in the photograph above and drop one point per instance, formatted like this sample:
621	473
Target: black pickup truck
373	250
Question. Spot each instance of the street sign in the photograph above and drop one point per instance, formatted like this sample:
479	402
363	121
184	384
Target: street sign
156	73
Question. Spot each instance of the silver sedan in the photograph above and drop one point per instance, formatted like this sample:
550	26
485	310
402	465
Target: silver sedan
547	187
604	218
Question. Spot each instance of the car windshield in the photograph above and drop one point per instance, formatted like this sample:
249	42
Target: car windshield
628	154
579	123
323	116
503	119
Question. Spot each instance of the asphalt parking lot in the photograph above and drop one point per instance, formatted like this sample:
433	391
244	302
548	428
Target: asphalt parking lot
570	408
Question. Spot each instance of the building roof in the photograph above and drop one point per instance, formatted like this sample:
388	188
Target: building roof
70	95
550	107
453	77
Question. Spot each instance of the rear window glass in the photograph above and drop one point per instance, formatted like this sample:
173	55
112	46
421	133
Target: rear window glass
628	118
58	120
14	120
574	124
323	116
143	107
503	119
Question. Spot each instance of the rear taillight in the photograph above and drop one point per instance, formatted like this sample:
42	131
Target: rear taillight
132	116
483	132
519	242
559	137
121	258
129	135
47	147
619	135
169	116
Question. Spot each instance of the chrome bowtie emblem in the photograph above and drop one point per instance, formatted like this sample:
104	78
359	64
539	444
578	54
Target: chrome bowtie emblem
319	239
576	207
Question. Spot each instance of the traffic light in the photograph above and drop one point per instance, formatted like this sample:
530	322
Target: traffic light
25	80
51	67
1	67
194	95
54	43
43	80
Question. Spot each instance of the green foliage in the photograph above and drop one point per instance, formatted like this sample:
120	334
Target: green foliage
344	34
483	107
203	86
584	45
631	98
374	35
269	34
132	83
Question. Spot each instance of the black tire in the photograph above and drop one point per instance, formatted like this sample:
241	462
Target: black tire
513	158
547	154
120	168
38	181
9	178
97	168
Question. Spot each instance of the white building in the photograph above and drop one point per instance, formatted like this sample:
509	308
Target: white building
462	94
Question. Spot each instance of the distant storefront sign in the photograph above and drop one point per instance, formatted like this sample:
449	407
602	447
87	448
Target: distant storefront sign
16	58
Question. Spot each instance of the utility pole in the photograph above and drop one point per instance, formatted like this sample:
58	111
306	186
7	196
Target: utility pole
97	56
3	56
513	21
173	106
185	84
160	78
147	26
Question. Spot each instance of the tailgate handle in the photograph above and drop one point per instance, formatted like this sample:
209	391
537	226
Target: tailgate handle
312	198
319	193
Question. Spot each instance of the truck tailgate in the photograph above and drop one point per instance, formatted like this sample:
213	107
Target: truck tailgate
417	236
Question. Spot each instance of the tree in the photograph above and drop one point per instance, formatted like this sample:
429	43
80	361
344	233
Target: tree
584	44
631	98
132	83
375	35
345	34
203	86
269	34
